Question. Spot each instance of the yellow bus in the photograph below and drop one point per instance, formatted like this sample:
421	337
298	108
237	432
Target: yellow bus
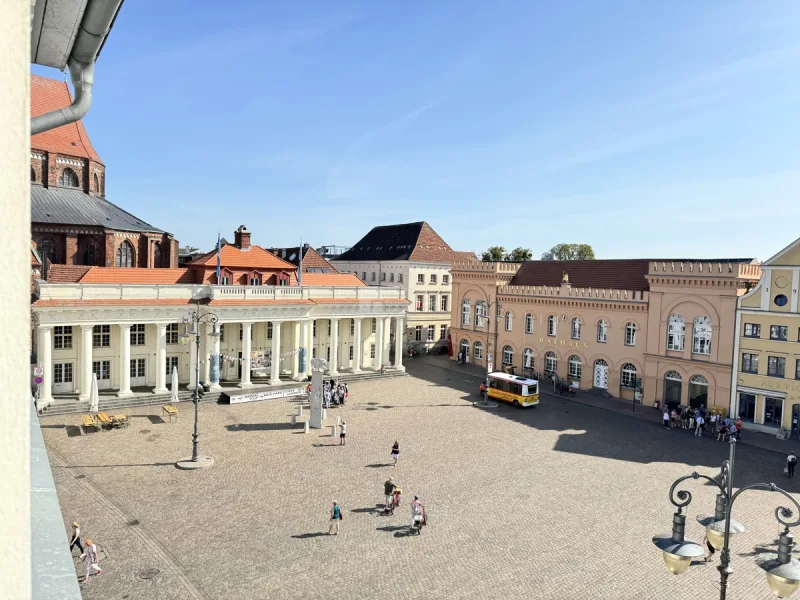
519	391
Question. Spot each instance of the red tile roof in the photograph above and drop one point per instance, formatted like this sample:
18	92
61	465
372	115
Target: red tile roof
48	95
65	273
465	256
254	258
625	274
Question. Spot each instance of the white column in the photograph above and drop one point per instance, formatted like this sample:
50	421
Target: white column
215	350
46	363
247	328
333	368
297	341
378	344
125	360
387	338
86	361
161	359
358	352
275	369
309	344
398	343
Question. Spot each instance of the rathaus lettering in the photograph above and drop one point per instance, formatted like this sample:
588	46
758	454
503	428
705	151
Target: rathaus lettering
571	344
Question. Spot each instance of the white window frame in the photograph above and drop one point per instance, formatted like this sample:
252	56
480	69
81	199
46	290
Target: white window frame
172	334
630	333
62	337
552	325
418	333
138	334
352	326
374	325
269	330
432	303
444	303
372	350
576	328
419	305
465	312
431	333
399	278
602	331
628	376
443	332
701	335
101	367
477	351
508	356
420	278
509	320
676	333
574	367
528	323
550	362
445	279
528	358
101	336
433	279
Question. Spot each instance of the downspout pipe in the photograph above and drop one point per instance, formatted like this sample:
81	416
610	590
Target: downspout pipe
97	20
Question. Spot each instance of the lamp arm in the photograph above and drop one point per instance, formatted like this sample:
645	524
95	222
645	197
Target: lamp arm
782	513
684	497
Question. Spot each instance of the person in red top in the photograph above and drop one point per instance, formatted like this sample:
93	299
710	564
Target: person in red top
482	390
739	428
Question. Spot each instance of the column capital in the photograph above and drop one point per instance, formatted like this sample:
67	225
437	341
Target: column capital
87	327
124	326
44	327
246	323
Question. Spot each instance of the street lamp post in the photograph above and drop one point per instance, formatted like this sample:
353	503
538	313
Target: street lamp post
782	571
191	329
484	401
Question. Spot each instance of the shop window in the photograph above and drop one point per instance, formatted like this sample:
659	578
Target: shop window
773	412
747	407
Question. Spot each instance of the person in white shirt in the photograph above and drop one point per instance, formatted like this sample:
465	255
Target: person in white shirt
699	425
90	560
416	511
342	434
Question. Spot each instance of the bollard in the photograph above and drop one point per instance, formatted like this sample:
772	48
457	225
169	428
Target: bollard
338	420
299	411
294	420
305	427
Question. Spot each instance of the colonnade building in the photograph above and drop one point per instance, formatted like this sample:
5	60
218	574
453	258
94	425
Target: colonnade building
124	324
659	331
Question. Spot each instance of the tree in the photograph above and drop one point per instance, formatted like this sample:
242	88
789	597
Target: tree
569	252
519	255
494	253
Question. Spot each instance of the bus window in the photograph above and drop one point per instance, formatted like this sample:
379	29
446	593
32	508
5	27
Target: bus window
515	388
531	389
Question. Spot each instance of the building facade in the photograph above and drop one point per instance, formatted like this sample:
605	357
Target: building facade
658	331
124	324
414	258
765	390
72	221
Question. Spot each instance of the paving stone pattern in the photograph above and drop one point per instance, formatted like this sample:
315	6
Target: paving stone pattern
556	502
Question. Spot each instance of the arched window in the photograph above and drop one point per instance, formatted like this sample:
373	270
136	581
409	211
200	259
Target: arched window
576	328
96	184
602	331
90	253
125	255
477	352
480	313
527	358
672	388
465	312
698	391
508	320
701	338
508	356
33	175
465	348
550	362
552	321
628	377
676	331
47	250
68	178
630	334
574	364
156	253
529	323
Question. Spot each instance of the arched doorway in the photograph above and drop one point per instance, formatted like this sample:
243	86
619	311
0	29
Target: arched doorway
601	374
672	389
698	391
465	350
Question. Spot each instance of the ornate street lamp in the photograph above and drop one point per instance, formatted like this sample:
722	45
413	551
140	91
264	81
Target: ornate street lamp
191	329
783	572
484	401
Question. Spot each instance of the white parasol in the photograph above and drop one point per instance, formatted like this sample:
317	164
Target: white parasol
175	384
94	396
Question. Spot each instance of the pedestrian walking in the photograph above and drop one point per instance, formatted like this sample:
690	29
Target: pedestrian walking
388	491
90	561
738	428
76	538
336	516
699	427
713	424
342	441
666	418
791	463
396	452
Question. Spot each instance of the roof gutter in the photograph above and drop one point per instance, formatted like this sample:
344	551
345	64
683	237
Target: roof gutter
97	20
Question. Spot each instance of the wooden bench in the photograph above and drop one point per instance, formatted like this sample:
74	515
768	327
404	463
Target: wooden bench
104	419
88	421
120	421
170	411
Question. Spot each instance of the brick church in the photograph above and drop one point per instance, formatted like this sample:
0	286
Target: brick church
72	220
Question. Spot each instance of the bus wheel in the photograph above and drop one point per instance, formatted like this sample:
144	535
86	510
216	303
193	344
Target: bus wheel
516	403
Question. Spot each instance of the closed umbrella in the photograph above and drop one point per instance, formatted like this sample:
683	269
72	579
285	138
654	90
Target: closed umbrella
94	396
175	384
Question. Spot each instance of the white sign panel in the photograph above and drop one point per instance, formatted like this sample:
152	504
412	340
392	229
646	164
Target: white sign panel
266	395
490	366
38	372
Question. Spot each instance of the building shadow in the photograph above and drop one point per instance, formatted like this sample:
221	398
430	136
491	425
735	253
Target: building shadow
258	426
158	464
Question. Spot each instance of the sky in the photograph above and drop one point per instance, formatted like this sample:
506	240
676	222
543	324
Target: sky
646	129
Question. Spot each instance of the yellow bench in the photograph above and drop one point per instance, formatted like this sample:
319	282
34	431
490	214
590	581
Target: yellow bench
170	411
120	420
104	419
88	421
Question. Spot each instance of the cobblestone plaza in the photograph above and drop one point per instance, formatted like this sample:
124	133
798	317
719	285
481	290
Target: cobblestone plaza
560	501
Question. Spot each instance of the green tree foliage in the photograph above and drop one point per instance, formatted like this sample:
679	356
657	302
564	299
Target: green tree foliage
569	252
520	255
494	253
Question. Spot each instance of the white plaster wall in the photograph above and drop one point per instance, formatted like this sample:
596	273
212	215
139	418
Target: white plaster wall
15	227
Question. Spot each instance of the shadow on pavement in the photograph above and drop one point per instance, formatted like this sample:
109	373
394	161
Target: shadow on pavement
392	528
378	465
305	536
367	509
258	426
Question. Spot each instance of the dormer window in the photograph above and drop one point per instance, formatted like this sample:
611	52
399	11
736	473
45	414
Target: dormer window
282	278
254	278
225	277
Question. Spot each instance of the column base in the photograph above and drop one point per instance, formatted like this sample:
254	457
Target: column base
160	390
43	403
356	371
82	398
400	368
124	394
275	381
214	387
245	384
299	377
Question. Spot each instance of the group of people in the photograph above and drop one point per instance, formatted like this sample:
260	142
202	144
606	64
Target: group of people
700	421
88	555
334	393
392	494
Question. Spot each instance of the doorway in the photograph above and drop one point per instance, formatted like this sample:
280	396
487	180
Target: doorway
601	374
672	389
63	382
102	370
172	362
138	372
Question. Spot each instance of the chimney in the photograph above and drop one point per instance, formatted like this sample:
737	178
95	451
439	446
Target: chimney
241	238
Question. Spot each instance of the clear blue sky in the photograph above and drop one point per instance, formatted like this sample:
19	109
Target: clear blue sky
643	128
